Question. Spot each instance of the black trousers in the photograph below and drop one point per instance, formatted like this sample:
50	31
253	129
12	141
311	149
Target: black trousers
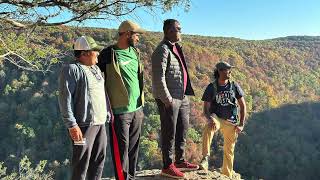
174	127
88	160
127	129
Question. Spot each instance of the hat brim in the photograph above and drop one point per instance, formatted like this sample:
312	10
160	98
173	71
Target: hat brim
226	67
140	31
97	48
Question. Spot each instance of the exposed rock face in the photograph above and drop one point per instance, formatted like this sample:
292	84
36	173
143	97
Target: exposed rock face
193	175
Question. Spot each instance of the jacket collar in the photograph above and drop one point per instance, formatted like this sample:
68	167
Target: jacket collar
170	44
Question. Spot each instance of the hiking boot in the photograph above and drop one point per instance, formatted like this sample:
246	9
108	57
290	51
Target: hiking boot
204	164
186	166
172	172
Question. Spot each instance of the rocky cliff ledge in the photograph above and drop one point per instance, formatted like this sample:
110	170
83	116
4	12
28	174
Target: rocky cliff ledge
193	175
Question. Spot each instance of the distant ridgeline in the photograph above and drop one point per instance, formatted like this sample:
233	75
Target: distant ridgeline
273	74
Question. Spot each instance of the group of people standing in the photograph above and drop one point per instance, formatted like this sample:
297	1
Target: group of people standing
106	85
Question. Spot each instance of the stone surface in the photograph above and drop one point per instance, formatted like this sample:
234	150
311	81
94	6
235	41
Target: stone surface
154	174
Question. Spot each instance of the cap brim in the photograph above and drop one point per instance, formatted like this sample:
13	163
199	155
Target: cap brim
97	48
141	31
225	67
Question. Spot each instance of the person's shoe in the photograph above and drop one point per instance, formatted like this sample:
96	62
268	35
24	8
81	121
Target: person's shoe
172	172
186	166
204	164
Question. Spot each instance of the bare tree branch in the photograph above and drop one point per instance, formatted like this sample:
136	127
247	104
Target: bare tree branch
14	62
81	10
23	19
23	63
4	55
14	23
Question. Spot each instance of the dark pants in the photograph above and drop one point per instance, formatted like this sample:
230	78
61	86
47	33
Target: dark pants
174	126
88	160
127	128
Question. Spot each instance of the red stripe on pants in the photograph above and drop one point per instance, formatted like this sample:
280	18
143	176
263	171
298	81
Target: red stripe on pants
116	153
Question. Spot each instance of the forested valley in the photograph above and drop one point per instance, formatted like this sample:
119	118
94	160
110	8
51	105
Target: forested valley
280	77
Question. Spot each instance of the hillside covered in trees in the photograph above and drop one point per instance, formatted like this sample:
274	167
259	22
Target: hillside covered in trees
280	77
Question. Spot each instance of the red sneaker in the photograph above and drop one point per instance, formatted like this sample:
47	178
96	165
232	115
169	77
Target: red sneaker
186	166
172	172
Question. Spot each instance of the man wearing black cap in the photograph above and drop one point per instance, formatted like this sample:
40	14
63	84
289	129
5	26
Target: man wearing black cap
84	108
123	71
221	101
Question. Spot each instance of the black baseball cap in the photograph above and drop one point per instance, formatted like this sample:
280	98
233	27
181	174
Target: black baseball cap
223	65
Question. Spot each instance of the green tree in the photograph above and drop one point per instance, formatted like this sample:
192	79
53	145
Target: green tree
26	171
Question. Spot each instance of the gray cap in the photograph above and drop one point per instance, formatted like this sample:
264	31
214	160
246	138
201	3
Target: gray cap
223	65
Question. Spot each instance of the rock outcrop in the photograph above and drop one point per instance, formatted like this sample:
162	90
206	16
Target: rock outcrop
193	175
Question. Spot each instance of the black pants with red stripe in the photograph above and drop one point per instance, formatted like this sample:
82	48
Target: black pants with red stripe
125	147
88	160
174	127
